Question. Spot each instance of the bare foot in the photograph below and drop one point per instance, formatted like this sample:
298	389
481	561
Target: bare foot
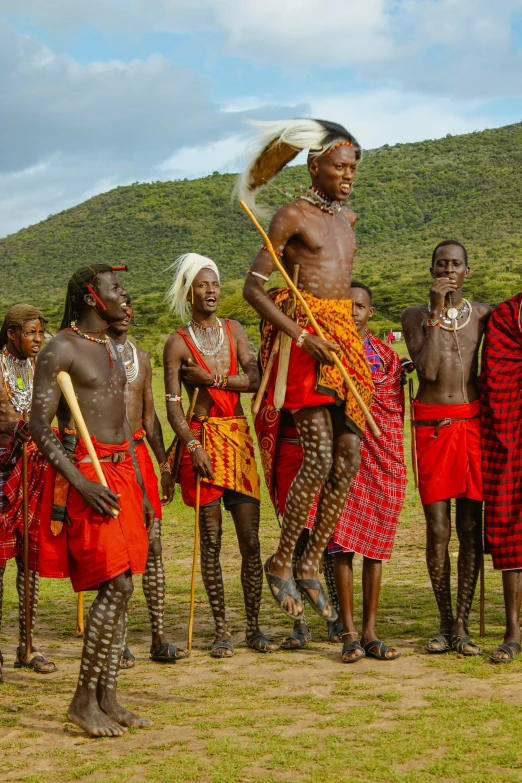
124	717
92	720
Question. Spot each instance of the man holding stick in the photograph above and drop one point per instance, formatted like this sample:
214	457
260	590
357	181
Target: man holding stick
105	539
207	354
316	233
443	339
144	423
21	337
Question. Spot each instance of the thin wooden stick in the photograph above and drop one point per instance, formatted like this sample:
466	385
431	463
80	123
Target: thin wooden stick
284	351
195	553
338	363
266	376
80	623
482	598
27	591
65	384
413	429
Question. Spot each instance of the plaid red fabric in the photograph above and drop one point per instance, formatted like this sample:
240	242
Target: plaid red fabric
501	412
11	517
369	520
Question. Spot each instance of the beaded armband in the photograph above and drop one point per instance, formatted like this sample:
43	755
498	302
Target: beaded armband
173	397
433	322
258	274
302	337
277	252
192	445
164	467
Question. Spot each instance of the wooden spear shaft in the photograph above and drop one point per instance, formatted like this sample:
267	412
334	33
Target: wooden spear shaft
340	366
27	588
195	554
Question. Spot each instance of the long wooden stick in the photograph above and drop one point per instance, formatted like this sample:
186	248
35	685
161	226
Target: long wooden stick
284	350
65	384
27	590
80	622
266	376
195	553
482	598
413	429
338	363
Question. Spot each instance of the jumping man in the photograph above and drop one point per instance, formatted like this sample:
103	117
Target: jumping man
316	233
144	423
443	339
105	539
21	338
207	354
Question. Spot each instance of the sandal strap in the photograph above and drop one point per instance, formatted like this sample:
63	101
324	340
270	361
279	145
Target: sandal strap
351	646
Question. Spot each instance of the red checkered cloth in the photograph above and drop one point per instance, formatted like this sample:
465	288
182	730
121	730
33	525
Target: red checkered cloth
501	412
11	516
369	520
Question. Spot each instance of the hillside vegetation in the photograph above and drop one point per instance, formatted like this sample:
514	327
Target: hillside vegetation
407	197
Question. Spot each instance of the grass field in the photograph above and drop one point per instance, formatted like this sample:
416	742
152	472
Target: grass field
299	717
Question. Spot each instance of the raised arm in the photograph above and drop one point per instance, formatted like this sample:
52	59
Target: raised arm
57	356
285	225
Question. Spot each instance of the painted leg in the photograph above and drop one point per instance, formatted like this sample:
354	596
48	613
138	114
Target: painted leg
438	533
108	681
332	499
39	663
2	573
469	531
316	435
301	632
335	627
102	620
210	548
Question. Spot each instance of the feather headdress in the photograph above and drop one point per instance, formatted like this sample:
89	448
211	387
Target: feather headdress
186	268
279	143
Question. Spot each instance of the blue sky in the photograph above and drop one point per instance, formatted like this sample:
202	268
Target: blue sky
97	93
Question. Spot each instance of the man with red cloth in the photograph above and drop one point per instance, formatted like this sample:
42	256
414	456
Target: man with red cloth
144	423
104	541
443	339
501	382
21	337
217	445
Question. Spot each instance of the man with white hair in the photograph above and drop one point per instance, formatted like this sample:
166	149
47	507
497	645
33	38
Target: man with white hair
314	234
216	446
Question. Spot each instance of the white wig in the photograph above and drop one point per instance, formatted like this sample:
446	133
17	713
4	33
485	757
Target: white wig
186	268
279	143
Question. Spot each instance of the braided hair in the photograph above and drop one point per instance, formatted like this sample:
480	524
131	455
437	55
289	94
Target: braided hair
82	282
18	315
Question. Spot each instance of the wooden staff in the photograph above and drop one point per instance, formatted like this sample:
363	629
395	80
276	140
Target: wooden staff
413	429
338	363
177	454
65	384
284	351
256	404
27	590
195	553
482	598
80	624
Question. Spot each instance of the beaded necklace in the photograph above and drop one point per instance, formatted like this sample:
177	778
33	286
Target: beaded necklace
18	380
315	197
129	357
100	340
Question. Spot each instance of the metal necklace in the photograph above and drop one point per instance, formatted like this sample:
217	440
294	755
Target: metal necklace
209	340
129	357
450	315
18	380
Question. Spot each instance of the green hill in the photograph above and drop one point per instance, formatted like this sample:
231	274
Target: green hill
407	197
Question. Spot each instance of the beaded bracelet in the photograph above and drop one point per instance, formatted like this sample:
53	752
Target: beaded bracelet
220	382
192	445
164	467
173	397
302	337
433	322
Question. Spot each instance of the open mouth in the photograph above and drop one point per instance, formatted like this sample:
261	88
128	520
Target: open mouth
210	300
345	189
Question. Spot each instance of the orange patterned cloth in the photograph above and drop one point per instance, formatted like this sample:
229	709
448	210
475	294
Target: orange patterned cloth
310	383
231	449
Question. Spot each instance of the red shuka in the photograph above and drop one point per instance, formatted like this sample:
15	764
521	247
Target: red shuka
449	463
92	549
501	381
148	474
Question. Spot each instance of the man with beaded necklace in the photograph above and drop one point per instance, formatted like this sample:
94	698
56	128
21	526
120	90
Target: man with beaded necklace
207	354
144	423
21	337
443	339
